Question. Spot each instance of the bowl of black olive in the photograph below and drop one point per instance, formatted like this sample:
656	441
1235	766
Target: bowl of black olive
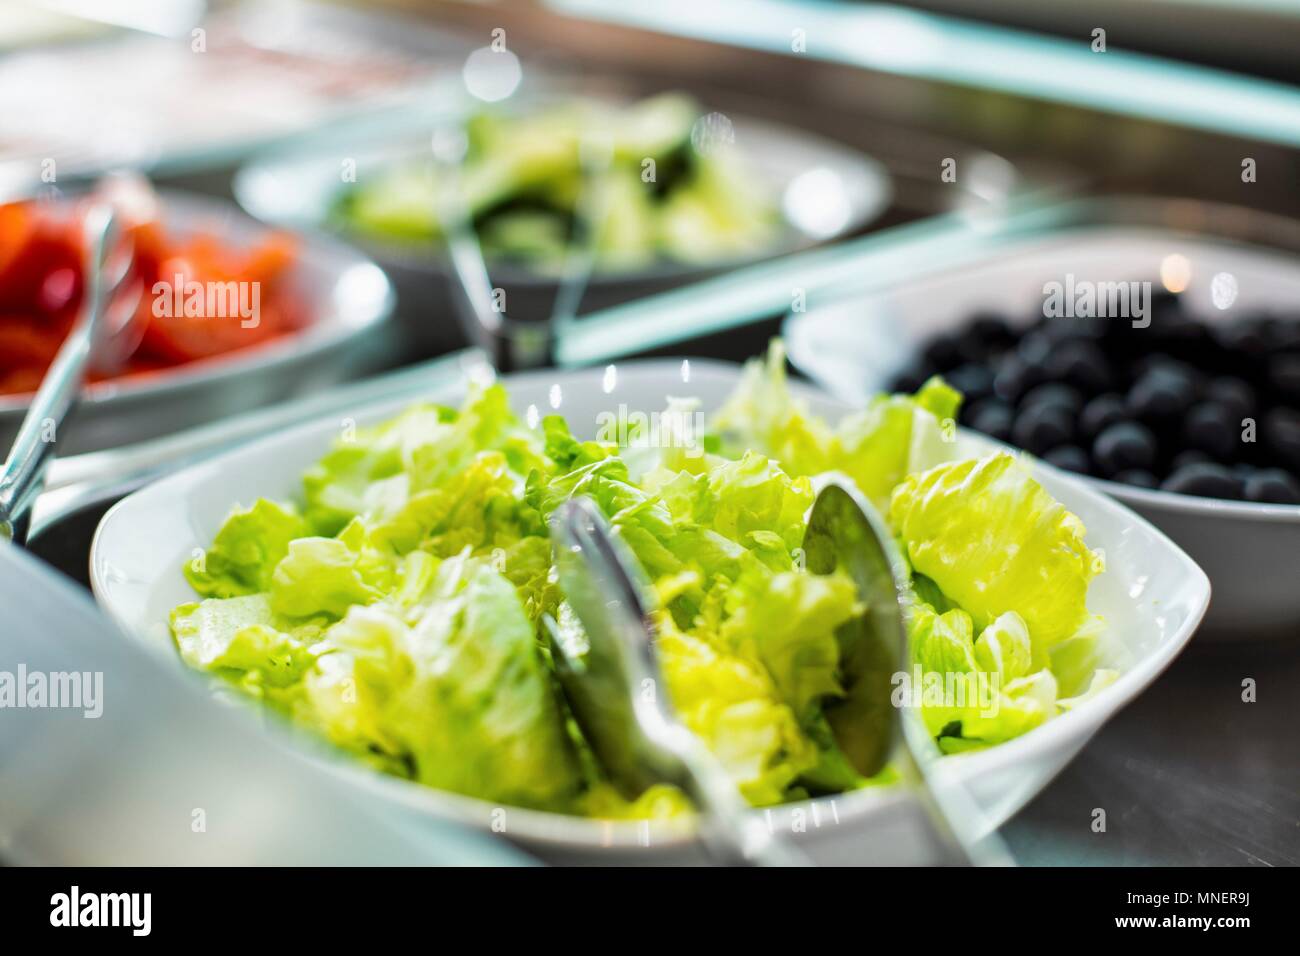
1194	424
1150	345
1179	405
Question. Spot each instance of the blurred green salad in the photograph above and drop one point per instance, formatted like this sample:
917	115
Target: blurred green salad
664	198
396	608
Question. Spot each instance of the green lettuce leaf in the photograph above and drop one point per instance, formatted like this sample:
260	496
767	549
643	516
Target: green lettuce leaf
787	623
425	445
326	576
242	634
993	540
1004	648
762	415
480	715
894	436
734	708
245	551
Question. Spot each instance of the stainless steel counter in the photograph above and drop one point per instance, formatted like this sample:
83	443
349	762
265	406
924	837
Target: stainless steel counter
1188	775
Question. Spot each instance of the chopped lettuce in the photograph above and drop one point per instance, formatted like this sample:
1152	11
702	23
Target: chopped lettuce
993	540
398	611
894	436
522	179
245	551
733	705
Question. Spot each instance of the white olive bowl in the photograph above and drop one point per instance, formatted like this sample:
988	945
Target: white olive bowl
856	347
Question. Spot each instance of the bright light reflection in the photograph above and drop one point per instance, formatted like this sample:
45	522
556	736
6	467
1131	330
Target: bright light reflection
1175	273
1223	290
816	203
491	75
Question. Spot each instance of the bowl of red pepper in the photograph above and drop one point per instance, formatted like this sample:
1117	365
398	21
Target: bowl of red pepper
234	315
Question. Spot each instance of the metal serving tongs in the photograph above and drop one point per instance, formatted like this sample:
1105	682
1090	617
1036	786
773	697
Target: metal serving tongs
845	531
513	344
606	666
103	334
609	671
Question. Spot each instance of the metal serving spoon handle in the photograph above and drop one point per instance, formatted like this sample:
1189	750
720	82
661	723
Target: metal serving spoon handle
106	270
845	531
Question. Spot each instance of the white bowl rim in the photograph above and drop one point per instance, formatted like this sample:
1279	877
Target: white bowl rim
1171	501
1196	505
322	333
569	831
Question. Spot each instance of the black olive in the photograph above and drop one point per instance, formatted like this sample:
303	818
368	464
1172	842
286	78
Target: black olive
1205	480
1189	457
1211	428
1274	486
1081	364
943	352
1160	395
973	381
1053	393
1040	428
1034	348
1070	458
1123	446
1138	477
1014	377
1280	434
1233	394
992	329
1284	375
994	419
1243	339
1100	413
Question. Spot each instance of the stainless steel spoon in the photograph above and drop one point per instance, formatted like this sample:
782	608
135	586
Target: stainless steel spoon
105	318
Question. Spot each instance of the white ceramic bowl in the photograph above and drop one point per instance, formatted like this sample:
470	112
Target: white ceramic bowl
348	297
855	348
1152	595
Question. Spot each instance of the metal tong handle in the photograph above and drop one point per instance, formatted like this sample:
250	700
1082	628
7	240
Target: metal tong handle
959	827
730	832
24	469
515	344
595	158
450	144
845	531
